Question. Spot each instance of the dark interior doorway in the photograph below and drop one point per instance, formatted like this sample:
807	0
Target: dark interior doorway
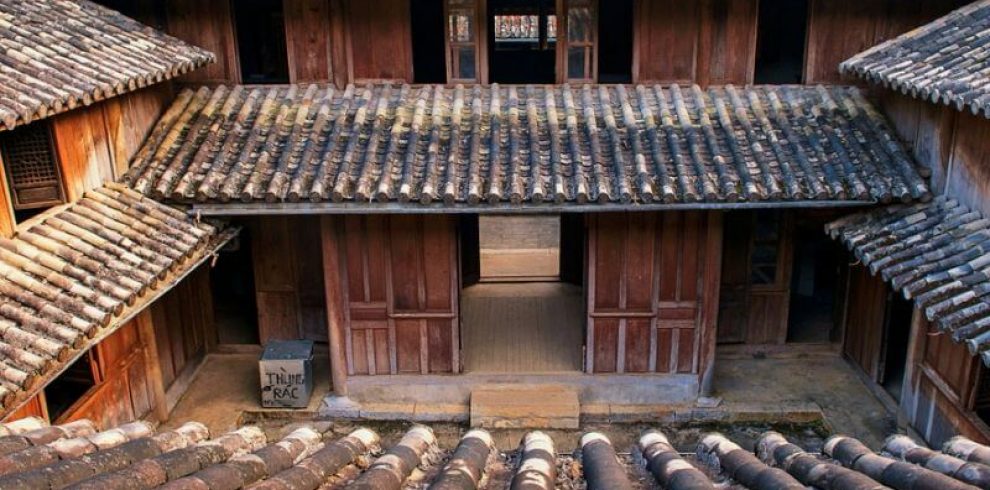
896	335
522	41
817	282
427	41
522	297
780	41
615	43
261	50
235	308
67	388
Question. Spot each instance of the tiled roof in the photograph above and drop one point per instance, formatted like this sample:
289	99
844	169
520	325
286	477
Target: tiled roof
311	456
515	144
946	61
72	275
937	254
56	55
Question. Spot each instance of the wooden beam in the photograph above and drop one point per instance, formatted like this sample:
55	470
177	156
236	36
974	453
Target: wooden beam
146	332
710	297
335	304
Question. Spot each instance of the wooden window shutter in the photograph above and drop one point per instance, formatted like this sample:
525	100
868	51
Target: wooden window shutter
32	167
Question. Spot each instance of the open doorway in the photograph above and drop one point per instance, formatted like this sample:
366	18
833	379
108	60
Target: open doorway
522	39
896	333
817	283
780	41
522	302
235	307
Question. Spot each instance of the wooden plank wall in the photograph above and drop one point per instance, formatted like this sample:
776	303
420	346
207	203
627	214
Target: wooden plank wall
288	278
645	284
865	315
400	290
307	33
127	382
209	25
707	42
749	313
95	144
183	323
124	391
839	30
375	41
949	144
943	386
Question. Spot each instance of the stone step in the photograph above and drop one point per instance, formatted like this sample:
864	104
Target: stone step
525	407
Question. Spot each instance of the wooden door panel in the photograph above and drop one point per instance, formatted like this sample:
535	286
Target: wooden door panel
637	350
645	275
401	283
864	324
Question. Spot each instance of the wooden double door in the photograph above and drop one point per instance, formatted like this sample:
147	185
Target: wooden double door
651	282
399	283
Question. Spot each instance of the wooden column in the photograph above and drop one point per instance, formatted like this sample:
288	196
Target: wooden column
709	310
146	333
332	280
7	221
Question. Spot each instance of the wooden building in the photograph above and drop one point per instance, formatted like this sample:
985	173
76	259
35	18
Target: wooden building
394	167
933	255
98	283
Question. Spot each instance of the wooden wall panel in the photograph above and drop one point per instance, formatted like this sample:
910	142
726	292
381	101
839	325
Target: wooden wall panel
288	278
183	325
727	43
7	221
866	311
95	144
838	30
375	38
129	120
210	26
704	42
307	33
969	177
400	285
942	387
665	41
83	147
646	275
125	389
35	407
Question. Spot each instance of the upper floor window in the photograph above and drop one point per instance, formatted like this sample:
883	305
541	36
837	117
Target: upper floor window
31	165
518	41
261	49
780	41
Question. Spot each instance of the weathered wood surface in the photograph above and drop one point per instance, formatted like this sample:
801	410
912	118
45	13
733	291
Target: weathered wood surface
400	285
645	278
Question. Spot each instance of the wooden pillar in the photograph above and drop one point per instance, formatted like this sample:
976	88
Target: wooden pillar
146	333
710	291
7	221
333	286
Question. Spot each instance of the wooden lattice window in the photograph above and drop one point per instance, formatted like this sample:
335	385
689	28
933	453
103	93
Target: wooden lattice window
463	52
31	165
577	56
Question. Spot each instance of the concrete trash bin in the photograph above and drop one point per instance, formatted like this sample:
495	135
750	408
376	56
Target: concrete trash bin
286	368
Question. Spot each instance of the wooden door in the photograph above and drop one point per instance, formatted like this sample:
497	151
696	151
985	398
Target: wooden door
866	311
756	277
577	41
399	276
645	278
